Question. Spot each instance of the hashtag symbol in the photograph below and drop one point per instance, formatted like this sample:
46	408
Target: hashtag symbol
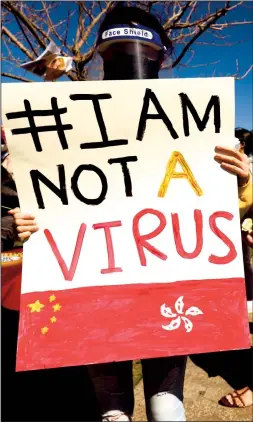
35	130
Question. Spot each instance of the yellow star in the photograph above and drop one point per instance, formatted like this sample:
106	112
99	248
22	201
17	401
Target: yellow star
56	307
53	319
36	306
52	298
44	330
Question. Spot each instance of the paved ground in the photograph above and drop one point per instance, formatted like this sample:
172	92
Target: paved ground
202	392
201	399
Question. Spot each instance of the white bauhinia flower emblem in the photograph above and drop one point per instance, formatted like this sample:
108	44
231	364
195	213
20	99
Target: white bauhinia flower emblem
178	315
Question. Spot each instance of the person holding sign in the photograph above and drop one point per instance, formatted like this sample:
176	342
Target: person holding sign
18	387
133	45
243	397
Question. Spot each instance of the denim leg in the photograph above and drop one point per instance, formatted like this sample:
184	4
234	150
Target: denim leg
163	388
113	385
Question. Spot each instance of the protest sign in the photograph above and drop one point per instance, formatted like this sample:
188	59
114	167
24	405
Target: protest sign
139	252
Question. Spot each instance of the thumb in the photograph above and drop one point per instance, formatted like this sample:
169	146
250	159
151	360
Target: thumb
14	211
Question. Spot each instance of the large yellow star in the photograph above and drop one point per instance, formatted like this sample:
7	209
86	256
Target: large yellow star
52	298
53	319
44	330
56	307
36	306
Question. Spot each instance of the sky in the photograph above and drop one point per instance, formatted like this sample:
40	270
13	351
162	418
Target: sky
226	56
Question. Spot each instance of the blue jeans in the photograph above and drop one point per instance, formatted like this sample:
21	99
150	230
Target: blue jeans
163	380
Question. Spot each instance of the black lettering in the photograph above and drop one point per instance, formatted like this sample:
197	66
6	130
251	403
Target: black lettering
61	192
76	190
201	124
35	130
150	95
125	170
95	100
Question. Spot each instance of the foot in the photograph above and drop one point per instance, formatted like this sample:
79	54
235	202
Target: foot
238	398
115	417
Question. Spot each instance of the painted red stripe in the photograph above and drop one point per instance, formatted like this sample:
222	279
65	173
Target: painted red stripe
113	323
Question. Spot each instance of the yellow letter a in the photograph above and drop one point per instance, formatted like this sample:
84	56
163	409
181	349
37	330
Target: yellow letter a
171	173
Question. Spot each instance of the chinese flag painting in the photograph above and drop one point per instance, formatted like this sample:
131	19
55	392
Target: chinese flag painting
97	324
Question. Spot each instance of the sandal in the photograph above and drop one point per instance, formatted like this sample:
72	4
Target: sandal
235	399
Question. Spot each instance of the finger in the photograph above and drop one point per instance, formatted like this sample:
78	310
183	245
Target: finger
234	170
23	229
14	211
224	159
229	151
21	222
249	238
24	236
230	160
23	216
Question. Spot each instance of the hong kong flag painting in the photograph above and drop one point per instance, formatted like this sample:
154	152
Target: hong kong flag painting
138	253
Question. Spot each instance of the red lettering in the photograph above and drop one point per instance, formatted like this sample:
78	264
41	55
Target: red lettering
199	235
141	240
232	254
68	274
110	251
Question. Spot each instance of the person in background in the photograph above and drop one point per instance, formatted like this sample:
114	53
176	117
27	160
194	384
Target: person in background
248	238
243	397
61	394
245	138
12	265
9	197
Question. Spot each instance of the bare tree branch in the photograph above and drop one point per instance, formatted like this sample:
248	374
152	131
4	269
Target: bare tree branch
221	26
77	46
218	15
86	10
245	74
26	37
12	8
19	78
15	41
50	24
178	16
188	24
28	29
236	74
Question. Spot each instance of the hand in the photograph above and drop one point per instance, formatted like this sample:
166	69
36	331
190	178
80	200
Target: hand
7	164
25	224
249	239
233	161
